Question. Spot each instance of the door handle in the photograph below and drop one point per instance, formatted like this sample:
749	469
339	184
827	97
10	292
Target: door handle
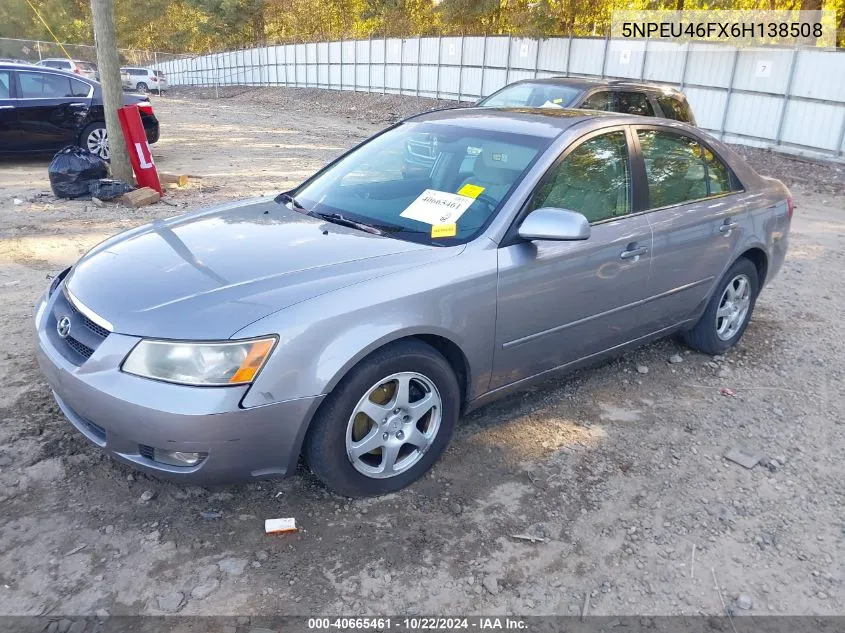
77	105
727	227
6	107
633	253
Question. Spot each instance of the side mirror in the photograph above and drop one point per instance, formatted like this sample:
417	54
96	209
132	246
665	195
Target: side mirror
554	224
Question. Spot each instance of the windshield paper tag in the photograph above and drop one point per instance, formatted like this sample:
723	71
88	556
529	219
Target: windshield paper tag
437	207
444	230
470	191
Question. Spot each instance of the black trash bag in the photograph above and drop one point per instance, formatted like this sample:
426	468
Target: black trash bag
107	189
73	169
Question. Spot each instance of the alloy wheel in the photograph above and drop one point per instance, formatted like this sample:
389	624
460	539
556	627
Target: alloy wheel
98	142
733	307
393	425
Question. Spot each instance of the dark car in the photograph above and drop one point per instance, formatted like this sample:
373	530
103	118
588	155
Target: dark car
43	110
610	95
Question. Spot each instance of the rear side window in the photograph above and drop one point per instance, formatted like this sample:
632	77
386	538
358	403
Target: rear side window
674	108
604	100
58	64
5	84
45	86
634	103
594	180
679	169
138	71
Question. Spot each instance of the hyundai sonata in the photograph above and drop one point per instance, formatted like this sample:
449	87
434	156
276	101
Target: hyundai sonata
352	319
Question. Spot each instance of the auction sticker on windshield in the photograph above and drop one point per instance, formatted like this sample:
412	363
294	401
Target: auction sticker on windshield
437	207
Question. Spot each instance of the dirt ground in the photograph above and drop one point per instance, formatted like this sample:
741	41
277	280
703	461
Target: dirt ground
618	469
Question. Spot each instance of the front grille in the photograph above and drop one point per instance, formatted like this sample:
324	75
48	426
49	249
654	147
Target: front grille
79	348
84	337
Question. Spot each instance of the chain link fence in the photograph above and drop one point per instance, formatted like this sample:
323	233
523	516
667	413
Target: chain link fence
33	51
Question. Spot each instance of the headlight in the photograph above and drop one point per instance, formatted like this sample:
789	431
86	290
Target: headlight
225	363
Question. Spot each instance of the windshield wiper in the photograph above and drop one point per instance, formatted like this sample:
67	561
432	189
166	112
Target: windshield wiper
337	218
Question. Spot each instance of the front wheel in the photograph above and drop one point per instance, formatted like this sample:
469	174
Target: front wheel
728	311
95	138
386	422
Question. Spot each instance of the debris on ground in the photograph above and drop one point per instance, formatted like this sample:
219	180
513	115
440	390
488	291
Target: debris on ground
744	457
674	359
210	515
72	171
278	526
175	179
140	197
725	391
642	369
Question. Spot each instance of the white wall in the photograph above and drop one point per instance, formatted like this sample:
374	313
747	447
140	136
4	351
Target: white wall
793	99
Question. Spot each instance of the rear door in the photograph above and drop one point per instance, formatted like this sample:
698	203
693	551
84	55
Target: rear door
695	204
52	109
560	302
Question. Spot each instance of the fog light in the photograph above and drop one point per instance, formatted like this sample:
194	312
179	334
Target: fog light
177	458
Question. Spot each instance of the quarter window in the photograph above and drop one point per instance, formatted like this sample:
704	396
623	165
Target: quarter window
674	108
679	169
634	103
594	179
79	88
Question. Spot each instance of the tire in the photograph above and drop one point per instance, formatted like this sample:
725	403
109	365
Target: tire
715	334
95	138
331	437
142	87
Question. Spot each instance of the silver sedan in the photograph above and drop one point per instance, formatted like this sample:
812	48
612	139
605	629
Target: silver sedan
450	259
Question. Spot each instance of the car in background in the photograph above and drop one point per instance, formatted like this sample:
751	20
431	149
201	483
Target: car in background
609	95
14	60
43	110
143	79
353	319
75	66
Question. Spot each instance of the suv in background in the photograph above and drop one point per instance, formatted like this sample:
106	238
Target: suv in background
75	66
143	79
612	95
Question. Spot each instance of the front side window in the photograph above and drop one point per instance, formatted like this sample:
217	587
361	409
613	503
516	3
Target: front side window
674	108
5	84
679	169
594	179
634	103
44	86
604	100
422	175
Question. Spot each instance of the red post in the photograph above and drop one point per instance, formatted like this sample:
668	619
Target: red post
139	150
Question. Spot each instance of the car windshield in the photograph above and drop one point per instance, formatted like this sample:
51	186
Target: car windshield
532	95
436	183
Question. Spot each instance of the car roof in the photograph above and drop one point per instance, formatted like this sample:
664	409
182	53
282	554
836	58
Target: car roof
587	83
45	69
538	122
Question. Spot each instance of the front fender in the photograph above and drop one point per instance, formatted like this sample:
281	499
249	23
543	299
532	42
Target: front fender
321	339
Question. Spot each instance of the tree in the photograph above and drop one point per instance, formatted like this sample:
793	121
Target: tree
108	63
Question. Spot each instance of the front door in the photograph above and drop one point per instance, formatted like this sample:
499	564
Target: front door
559	302
695	216
8	116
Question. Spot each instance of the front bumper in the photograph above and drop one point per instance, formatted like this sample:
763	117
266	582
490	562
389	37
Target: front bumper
127	415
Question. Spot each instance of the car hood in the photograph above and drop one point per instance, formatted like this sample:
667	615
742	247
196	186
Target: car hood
209	274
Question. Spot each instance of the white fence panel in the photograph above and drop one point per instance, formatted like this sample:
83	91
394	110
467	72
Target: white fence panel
773	97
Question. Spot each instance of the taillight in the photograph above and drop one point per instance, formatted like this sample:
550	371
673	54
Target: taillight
146	108
790	206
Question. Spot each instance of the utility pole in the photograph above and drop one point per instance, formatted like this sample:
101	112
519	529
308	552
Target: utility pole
108	63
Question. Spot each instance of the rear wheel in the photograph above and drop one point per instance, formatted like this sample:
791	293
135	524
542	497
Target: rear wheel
728	312
95	138
142	87
386	422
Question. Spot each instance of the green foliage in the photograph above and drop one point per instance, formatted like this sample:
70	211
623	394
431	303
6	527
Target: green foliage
204	25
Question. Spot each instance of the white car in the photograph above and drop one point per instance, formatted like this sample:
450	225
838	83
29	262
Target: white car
143	79
78	67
